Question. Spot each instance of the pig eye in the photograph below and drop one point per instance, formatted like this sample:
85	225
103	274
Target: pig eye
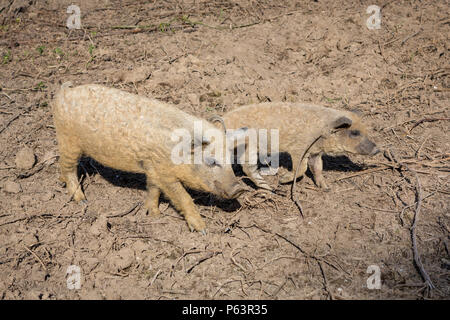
355	133
211	162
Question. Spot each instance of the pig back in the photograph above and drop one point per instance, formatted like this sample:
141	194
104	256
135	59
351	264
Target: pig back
115	127
298	123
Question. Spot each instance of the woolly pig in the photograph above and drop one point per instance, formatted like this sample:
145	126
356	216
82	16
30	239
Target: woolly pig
135	134
299	126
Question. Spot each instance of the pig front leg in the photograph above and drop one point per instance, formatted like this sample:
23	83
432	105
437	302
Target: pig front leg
251	170
183	202
175	192
316	165
151	203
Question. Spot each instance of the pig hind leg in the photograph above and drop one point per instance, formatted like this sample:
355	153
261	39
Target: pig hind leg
316	165
289	176
70	153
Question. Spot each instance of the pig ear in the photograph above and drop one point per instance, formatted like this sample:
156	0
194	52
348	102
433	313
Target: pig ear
218	122
206	140
342	123
237	134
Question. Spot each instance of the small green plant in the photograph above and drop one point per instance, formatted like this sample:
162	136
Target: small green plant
214	94
331	100
164	26
26	54
6	57
41	50
40	86
91	50
59	52
186	20
91	54
4	28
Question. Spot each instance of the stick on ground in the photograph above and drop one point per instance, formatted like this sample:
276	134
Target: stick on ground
416	254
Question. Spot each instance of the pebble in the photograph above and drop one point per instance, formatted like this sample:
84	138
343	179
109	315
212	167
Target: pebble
25	159
99	226
122	259
132	76
12	187
193	99
47	196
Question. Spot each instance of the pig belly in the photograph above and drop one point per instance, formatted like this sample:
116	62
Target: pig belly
110	152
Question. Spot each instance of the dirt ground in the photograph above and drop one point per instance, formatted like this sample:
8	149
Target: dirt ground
207	57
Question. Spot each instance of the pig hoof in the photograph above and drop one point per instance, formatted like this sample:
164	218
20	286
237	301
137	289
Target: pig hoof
62	180
79	197
152	211
265	186
196	224
202	232
84	201
322	185
286	178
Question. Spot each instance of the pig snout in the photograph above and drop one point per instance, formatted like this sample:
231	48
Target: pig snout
232	192
367	147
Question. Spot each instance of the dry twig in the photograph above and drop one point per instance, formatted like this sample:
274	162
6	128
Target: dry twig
427	120
122	214
10	120
36	256
429	284
325	281
203	259
410	36
416	254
